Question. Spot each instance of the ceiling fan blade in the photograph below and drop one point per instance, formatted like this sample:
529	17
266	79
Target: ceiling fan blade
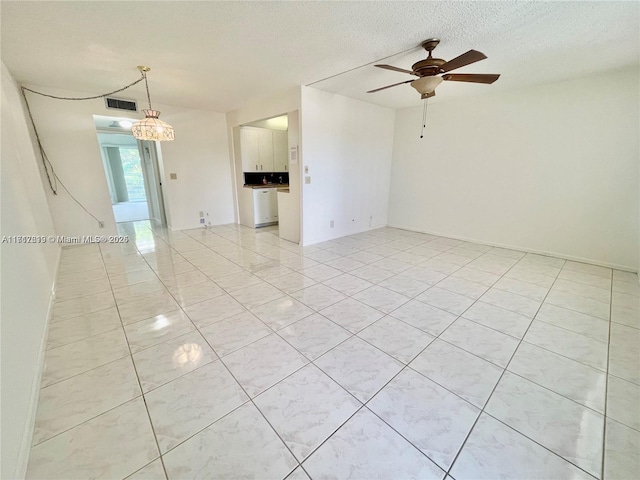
472	56
471	77
396	69
389	86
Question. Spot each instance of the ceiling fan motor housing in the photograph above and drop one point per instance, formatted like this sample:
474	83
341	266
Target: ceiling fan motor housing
428	66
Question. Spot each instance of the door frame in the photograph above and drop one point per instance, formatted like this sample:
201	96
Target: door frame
148	150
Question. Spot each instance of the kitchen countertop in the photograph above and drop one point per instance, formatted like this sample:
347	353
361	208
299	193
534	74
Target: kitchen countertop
268	185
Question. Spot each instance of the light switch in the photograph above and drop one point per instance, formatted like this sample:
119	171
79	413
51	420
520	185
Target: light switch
173	176
307	179
306	169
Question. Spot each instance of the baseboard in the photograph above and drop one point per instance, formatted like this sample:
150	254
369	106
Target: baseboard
27	438
547	253
195	226
366	229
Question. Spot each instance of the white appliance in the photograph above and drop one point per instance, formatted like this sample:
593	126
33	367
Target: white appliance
265	206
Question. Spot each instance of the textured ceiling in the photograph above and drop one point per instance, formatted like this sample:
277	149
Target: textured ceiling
221	55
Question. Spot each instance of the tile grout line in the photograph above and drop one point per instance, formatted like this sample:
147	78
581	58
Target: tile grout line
342	272
479	299
532	319
505	369
342	387
537	443
130	354
404	367
459	316
197	328
250	399
606	389
144	400
496	386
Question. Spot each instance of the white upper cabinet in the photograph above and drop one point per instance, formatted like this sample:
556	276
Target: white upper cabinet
280	151
249	150
264	150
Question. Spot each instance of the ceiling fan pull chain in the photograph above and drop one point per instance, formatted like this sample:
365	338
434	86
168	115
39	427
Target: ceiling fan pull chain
424	118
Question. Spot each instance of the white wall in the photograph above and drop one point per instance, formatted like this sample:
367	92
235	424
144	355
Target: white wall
289	203
28	273
347	145
551	168
199	157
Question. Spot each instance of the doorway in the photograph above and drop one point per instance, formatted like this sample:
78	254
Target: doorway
153	181
266	157
131	169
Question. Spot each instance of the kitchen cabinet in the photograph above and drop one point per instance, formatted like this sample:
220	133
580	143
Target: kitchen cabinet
265	206
249	151
280	151
263	150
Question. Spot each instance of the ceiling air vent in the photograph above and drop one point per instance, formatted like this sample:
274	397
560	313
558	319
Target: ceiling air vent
120	104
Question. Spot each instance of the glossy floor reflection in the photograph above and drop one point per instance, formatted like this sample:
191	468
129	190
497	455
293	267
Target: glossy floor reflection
229	353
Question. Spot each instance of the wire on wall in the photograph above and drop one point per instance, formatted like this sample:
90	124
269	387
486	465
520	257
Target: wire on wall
52	177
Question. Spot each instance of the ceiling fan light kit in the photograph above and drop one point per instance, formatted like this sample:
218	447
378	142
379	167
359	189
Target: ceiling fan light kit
430	69
426	85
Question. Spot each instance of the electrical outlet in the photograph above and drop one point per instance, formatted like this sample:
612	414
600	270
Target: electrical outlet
173	176
331	224
202	221
307	179
100	224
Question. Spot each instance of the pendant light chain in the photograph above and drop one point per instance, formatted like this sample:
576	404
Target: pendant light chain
151	128
142	77
146	84
52	177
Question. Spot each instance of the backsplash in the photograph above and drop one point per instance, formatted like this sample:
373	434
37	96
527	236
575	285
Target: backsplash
256	178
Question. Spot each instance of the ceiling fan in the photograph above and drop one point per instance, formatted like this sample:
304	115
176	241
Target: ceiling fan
429	70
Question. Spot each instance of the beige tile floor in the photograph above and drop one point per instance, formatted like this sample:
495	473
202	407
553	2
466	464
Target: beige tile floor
229	353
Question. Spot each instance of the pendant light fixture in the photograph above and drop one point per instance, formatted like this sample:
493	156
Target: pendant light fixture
151	127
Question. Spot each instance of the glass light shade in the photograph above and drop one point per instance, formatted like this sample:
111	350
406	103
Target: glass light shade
152	128
426	84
